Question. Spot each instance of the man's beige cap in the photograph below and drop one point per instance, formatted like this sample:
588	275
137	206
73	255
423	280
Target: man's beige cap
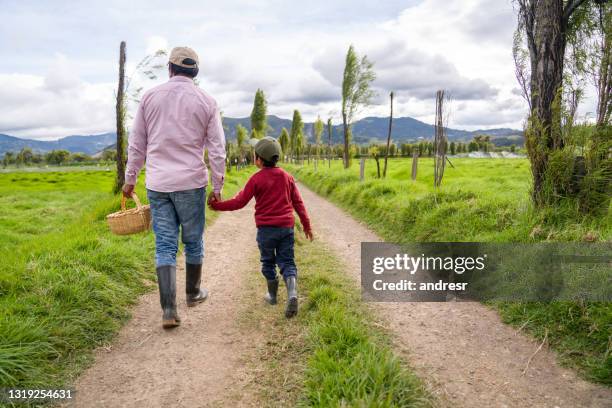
184	57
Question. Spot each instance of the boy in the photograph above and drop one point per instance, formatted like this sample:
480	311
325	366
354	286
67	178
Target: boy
276	196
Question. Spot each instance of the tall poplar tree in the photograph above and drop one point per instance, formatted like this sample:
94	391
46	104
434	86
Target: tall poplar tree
284	141
356	93
258	115
319	126
296	135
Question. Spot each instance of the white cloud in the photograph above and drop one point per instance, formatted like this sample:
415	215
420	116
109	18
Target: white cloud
54	105
62	77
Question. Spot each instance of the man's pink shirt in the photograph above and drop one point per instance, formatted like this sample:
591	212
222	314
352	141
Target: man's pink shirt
174	123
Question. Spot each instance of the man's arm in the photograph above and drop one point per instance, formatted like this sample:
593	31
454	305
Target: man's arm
215	144
137	151
239	201
300	208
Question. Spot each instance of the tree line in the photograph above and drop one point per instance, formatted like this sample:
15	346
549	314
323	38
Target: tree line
26	157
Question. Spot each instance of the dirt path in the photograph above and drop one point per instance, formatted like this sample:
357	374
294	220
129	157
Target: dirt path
469	357
198	364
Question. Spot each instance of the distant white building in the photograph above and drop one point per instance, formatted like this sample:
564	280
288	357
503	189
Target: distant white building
490	155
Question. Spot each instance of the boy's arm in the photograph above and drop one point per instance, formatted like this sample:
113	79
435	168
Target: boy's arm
299	207
240	200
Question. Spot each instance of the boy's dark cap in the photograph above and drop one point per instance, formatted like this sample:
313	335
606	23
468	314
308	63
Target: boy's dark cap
267	148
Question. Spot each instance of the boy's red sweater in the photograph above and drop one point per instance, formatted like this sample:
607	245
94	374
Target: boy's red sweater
276	196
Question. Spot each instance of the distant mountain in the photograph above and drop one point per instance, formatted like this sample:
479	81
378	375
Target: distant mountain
75	144
371	129
100	153
367	130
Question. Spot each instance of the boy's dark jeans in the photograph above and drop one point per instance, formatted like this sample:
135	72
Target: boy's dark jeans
276	248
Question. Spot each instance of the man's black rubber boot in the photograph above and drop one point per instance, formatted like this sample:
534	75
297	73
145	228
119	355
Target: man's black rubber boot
193	277
292	297
272	291
166	280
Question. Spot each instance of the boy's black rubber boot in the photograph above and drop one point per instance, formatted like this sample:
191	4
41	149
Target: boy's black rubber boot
193	277
272	291
166	280
292	297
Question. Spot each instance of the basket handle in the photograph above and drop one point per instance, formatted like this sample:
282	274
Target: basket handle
134	197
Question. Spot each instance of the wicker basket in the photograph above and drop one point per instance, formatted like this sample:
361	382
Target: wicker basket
130	221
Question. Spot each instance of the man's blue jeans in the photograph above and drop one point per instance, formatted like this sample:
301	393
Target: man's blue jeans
171	210
276	248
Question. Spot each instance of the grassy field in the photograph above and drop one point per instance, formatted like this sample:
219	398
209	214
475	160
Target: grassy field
66	283
484	200
331	354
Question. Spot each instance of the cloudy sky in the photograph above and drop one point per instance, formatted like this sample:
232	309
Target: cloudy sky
59	58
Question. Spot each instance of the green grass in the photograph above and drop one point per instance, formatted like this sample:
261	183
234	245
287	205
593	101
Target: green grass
330	355
66	283
484	200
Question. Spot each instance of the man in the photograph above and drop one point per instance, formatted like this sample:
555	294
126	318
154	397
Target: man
175	122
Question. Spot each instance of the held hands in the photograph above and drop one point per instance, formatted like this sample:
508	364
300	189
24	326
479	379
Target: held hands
212	197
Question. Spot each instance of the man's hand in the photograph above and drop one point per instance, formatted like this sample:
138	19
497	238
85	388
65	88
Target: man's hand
128	190
309	235
213	197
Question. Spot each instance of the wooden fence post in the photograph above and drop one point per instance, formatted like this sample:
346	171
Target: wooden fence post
415	161
120	112
362	169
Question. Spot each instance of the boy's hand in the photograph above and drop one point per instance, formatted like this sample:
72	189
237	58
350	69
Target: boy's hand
212	197
309	235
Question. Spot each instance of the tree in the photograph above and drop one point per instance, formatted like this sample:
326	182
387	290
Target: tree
596	190
109	155
453	148
258	115
388	135
603	76
57	157
283	139
295	137
24	156
318	131
120	111
299	146
37	158
8	159
80	157
241	137
486	143
374	151
356	93
545	24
